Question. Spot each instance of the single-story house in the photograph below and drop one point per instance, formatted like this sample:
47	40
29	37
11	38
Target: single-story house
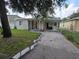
17	22
11	19
71	24
37	24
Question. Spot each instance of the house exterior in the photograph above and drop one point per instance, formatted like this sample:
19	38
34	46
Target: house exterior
11	19
17	22
22	23
72	24
37	24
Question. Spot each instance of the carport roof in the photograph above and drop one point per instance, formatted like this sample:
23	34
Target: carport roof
49	19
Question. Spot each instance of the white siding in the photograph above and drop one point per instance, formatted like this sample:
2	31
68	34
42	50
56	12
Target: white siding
41	25
0	23
23	25
11	19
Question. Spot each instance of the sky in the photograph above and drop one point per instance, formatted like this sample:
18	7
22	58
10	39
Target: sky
73	6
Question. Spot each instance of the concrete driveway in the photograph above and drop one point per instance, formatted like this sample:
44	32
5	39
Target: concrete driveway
53	45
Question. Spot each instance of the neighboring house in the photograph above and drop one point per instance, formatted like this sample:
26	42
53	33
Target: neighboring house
72	24
37	24
11	19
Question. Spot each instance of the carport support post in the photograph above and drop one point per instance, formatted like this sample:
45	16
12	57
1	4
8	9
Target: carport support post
57	25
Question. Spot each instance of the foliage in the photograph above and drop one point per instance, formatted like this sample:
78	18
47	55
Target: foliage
74	15
28	7
40	6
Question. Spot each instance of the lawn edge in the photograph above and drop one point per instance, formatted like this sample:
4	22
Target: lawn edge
27	49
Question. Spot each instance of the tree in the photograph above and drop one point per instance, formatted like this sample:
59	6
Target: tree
42	7
74	15
4	20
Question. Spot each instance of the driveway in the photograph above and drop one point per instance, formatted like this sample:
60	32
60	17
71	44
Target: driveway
53	45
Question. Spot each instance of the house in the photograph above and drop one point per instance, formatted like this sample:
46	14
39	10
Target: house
72	24
11	19
17	22
37	24
22	23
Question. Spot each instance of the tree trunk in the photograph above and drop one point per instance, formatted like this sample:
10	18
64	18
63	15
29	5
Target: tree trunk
4	20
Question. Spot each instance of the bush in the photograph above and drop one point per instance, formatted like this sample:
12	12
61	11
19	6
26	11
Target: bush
15	27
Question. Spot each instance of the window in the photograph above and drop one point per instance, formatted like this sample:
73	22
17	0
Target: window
20	22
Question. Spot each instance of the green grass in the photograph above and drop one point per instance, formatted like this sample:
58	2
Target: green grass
19	40
72	36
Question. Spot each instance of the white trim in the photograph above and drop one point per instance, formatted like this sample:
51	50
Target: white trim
21	53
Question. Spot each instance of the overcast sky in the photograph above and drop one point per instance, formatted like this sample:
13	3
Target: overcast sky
64	12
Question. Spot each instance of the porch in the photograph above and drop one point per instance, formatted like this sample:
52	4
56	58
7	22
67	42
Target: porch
39	25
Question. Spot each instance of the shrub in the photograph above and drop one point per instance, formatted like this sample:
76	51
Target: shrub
15	27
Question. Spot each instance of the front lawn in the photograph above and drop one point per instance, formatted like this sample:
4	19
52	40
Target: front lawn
72	36
20	40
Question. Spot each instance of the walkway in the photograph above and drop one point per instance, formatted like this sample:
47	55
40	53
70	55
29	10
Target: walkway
53	46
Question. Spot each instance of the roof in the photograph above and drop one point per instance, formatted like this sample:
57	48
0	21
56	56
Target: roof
54	18
25	19
11	18
76	18
49	19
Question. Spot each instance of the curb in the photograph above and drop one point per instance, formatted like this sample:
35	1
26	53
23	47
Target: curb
27	49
